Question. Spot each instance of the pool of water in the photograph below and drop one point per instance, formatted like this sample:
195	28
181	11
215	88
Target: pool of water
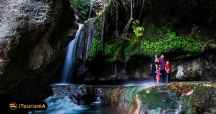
64	105
148	98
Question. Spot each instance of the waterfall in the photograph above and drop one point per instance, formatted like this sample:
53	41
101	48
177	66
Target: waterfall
78	48
71	56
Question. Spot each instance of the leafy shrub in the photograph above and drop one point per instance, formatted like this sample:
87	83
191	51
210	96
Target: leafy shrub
169	42
97	44
95	48
160	40
138	30
114	50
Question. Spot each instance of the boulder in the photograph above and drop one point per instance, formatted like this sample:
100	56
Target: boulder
32	44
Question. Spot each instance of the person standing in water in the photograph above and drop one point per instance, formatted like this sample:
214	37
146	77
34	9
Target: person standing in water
168	69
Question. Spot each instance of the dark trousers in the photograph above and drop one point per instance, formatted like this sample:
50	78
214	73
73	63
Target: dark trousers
153	75
163	75
168	77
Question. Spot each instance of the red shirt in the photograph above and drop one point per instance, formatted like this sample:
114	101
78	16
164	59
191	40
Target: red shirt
168	68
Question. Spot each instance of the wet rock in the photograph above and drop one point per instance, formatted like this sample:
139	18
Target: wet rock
201	68
197	68
170	99
32	44
147	98
42	54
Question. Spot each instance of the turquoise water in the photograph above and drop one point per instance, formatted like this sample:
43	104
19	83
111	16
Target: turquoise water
154	97
64	105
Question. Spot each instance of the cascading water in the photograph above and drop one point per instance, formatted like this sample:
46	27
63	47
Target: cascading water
63	103
71	56
66	101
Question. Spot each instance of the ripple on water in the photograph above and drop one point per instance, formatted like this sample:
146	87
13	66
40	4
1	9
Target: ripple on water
61	105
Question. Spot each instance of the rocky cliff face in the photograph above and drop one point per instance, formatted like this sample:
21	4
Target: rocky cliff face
200	68
32	38
184	19
197	68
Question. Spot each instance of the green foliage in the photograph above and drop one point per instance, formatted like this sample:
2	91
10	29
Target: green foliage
98	26
138	30
97	45
82	6
114	50
154	40
95	48
171	42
